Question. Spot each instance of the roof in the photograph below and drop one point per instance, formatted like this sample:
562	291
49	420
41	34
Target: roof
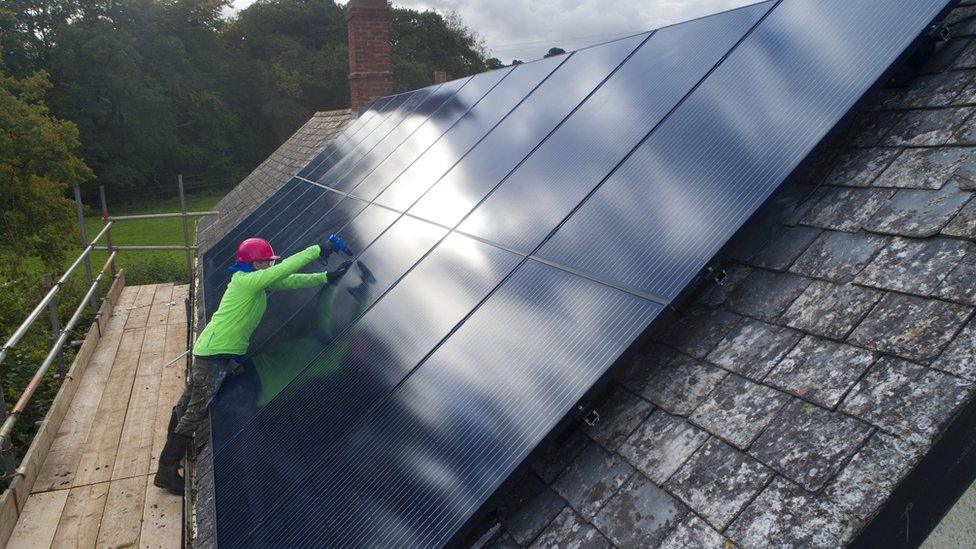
271	174
785	406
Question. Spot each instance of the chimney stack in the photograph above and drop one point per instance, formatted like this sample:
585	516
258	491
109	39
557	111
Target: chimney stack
370	70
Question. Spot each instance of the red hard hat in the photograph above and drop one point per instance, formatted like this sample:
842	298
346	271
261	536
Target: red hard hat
255	249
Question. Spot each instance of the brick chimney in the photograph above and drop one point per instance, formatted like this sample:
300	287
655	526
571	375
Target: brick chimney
370	70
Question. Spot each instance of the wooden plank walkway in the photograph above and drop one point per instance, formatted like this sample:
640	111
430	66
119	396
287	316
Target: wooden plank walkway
95	487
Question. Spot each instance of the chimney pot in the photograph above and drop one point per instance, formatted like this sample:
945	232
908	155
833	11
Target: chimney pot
440	77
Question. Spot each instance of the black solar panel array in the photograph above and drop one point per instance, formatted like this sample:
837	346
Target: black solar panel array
523	227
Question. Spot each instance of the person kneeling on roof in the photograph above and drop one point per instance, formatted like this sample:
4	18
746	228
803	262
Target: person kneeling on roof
221	346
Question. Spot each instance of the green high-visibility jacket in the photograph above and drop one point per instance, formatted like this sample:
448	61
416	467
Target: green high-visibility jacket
245	300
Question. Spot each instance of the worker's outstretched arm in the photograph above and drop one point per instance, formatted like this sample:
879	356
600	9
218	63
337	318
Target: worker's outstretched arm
300	281
265	278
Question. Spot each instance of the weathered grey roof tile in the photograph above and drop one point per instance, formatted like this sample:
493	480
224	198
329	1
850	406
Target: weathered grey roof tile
963	224
766	295
592	479
738	410
820	371
785	515
838	256
845	209
787	244
910	327
715	294
718	481
570	531
830	310
960	284
913	266
674	381
937	90
870	128
911	401
753	347
640	514
860	167
694	532
620	413
528	508
504	541
947	55
918	213
960	357
661	445
697	330
923	168
557	456
872	474
808	444
926	127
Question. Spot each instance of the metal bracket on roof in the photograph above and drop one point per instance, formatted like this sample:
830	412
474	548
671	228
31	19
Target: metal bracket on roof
592	418
938	32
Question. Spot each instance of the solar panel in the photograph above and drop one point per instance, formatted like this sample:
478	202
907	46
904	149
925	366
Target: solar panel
588	190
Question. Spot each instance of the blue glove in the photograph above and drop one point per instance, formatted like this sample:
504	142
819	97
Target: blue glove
339	245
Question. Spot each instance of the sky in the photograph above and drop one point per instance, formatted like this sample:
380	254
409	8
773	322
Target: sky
526	29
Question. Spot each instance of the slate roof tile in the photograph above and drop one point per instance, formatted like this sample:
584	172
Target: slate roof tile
838	256
765	295
860	167
694	532
963	224
820	371
914	266
785	246
870	128
697	330
784	515
910	327
718	481
830	310
808	444
620	414
557	456
640	514
948	55
738	410
753	347
715	294
872	474
926	127
937	90
960	284
906	399
592	479
661	444
923	168
918	213
527	510
570	531
671	380
960	357
846	209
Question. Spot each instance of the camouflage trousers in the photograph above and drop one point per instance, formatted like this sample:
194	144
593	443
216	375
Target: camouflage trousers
206	376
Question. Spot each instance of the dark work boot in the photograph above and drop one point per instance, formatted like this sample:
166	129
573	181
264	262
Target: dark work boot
168	475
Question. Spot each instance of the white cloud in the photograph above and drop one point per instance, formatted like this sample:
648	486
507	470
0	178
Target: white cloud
520	29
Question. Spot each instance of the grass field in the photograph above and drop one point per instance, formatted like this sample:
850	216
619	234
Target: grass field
149	267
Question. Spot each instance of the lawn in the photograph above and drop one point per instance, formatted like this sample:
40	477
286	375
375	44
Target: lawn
150	267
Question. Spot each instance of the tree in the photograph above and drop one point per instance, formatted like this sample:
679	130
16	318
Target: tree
494	63
38	163
555	51
424	42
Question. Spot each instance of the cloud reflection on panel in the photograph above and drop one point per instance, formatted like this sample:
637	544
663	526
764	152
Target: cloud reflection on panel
524	357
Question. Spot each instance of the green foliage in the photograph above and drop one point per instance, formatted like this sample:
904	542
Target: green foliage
554	51
37	166
163	87
424	42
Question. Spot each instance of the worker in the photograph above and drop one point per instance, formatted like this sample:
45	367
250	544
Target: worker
221	346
